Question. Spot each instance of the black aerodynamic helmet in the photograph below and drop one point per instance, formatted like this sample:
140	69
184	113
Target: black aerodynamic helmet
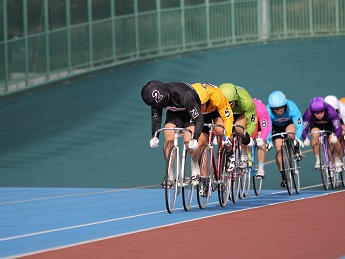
155	94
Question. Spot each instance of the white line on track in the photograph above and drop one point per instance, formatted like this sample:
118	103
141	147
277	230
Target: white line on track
157	212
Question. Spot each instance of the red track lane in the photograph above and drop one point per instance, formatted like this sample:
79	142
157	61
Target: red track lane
311	228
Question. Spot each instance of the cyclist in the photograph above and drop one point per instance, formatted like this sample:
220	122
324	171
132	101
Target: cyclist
342	100
285	117
322	116
243	108
183	110
216	109
340	108
264	129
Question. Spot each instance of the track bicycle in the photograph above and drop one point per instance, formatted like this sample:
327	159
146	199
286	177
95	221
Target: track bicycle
257	179
212	170
239	176
289	162
327	169
178	173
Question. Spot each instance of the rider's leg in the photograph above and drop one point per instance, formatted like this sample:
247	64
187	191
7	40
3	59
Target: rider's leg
315	142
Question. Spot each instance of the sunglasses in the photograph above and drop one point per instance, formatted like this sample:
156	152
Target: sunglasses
278	108
319	112
231	103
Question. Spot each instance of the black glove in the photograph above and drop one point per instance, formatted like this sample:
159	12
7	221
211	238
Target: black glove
246	139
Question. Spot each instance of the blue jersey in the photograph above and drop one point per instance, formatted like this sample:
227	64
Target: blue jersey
291	115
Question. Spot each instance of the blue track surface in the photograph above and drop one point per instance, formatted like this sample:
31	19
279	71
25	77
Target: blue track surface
36	219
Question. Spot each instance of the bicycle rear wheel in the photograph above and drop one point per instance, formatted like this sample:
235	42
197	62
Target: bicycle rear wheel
324	166
287	166
224	184
188	187
257	180
170	185
204	188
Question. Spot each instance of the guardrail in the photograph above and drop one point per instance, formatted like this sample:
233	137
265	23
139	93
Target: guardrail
64	49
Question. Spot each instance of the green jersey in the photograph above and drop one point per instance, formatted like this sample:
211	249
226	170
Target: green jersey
245	105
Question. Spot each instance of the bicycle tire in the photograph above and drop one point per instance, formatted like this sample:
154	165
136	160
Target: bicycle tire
171	180
342	173
224	181
324	166
188	187
295	170
245	182
333	175
204	188
257	180
235	185
287	165
236	174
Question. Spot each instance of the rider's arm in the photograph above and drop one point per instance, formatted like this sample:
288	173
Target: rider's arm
307	118
251	119
224	110
263	119
335	121
342	112
193	109
270	116
156	115
296	117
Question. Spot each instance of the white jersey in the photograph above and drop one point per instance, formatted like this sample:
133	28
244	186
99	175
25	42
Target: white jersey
341	112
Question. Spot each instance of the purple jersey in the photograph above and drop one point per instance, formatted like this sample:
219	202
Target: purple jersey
331	117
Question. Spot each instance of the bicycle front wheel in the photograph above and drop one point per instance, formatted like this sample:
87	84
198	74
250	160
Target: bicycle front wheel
342	173
235	185
324	165
287	166
236	175
245	182
204	188
171	182
257	180
224	183
188	187
295	177
332	173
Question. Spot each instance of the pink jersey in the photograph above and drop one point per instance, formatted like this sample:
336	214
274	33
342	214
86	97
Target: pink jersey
263	118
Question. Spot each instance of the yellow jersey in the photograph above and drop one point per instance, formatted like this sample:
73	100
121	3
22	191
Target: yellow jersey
218	101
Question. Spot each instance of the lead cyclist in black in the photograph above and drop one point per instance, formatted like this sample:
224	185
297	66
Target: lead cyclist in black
183	110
